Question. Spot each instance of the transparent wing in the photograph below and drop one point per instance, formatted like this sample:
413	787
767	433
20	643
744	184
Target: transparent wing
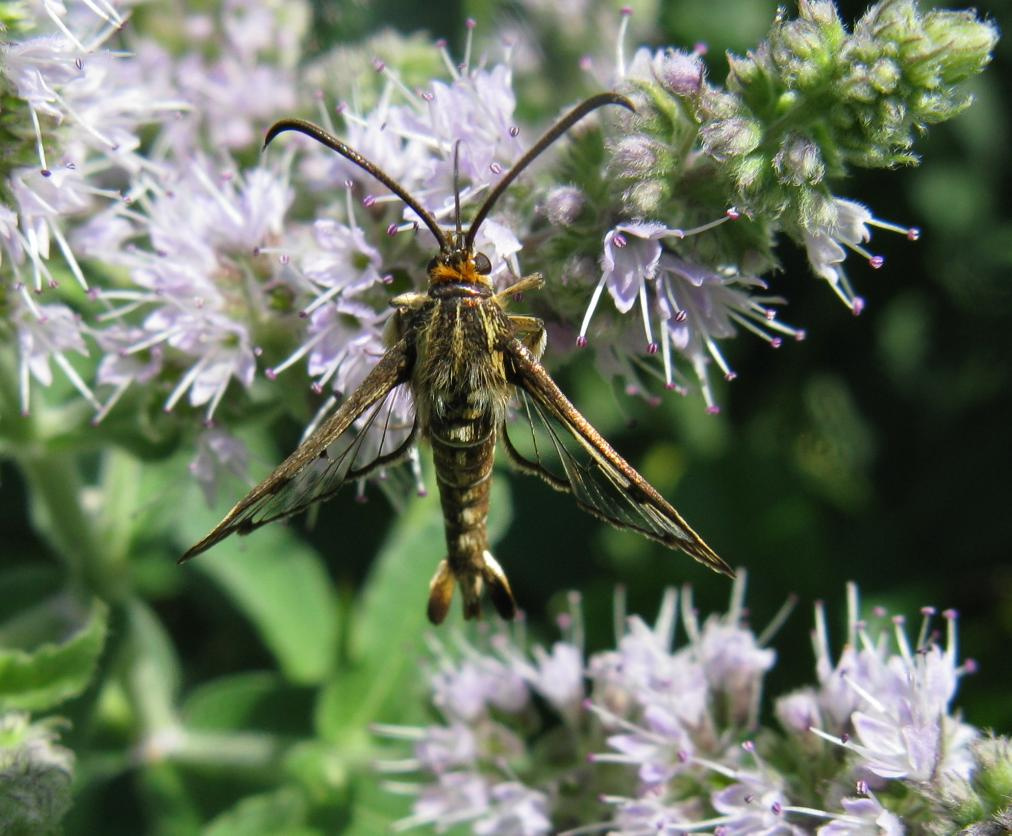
551	439
374	427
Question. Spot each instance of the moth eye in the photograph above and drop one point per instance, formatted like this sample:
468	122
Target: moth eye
482	265
431	265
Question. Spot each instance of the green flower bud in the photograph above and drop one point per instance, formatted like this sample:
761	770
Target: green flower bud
802	38
994	770
965	43
884	75
35	776
719	104
748	172
743	71
734	137
13	17
647	197
564	205
798	161
638	156
820	12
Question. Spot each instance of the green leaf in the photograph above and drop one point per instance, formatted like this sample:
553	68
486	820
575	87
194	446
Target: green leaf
150	667
254	700
281	585
39	679
390	622
282	811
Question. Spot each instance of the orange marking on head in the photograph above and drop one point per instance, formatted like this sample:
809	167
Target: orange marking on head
464	274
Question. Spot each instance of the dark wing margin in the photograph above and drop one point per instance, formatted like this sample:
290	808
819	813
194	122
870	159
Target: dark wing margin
332	455
569	454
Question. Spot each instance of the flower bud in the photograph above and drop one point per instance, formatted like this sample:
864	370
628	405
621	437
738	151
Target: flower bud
563	205
679	72
638	155
884	75
798	711
802	38
733	137
744	70
37	776
748	171
646	197
820	12
964	43
798	161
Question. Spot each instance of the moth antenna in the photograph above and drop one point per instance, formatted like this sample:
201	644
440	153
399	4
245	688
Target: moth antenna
552	134
456	185
320	135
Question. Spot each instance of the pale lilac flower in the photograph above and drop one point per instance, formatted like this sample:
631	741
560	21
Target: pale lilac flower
827	245
219	454
515	810
750	808
343	343
558	676
453	798
342	262
901	722
476	111
86	106
691	306
196	286
799	711
469	689
45	334
653	813
863	817
248	80
735	665
120	367
444	748
415	142
673	717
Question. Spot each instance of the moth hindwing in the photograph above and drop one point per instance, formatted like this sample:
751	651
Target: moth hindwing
456	362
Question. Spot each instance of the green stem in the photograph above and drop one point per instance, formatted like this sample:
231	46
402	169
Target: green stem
59	514
235	750
56	492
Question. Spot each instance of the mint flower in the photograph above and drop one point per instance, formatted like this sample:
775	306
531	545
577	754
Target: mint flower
672	732
900	718
827	244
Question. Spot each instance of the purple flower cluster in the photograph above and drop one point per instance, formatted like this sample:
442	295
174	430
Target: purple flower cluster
194	277
150	247
672	735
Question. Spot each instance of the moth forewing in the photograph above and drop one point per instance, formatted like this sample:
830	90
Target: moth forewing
281	494
602	482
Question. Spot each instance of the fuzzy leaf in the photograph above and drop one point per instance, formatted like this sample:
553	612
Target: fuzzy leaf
39	679
282	811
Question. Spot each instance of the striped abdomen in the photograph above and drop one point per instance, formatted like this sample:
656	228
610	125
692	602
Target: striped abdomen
463	450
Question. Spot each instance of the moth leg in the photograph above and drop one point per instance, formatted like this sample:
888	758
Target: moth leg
405	305
531	332
535	281
411	299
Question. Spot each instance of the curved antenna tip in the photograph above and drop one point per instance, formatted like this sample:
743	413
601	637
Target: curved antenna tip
553	133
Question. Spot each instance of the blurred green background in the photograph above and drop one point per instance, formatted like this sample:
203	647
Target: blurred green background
875	451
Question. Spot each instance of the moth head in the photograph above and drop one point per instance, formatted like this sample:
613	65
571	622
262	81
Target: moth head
457	260
460	265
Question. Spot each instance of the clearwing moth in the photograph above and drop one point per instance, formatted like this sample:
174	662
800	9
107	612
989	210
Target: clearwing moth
463	359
